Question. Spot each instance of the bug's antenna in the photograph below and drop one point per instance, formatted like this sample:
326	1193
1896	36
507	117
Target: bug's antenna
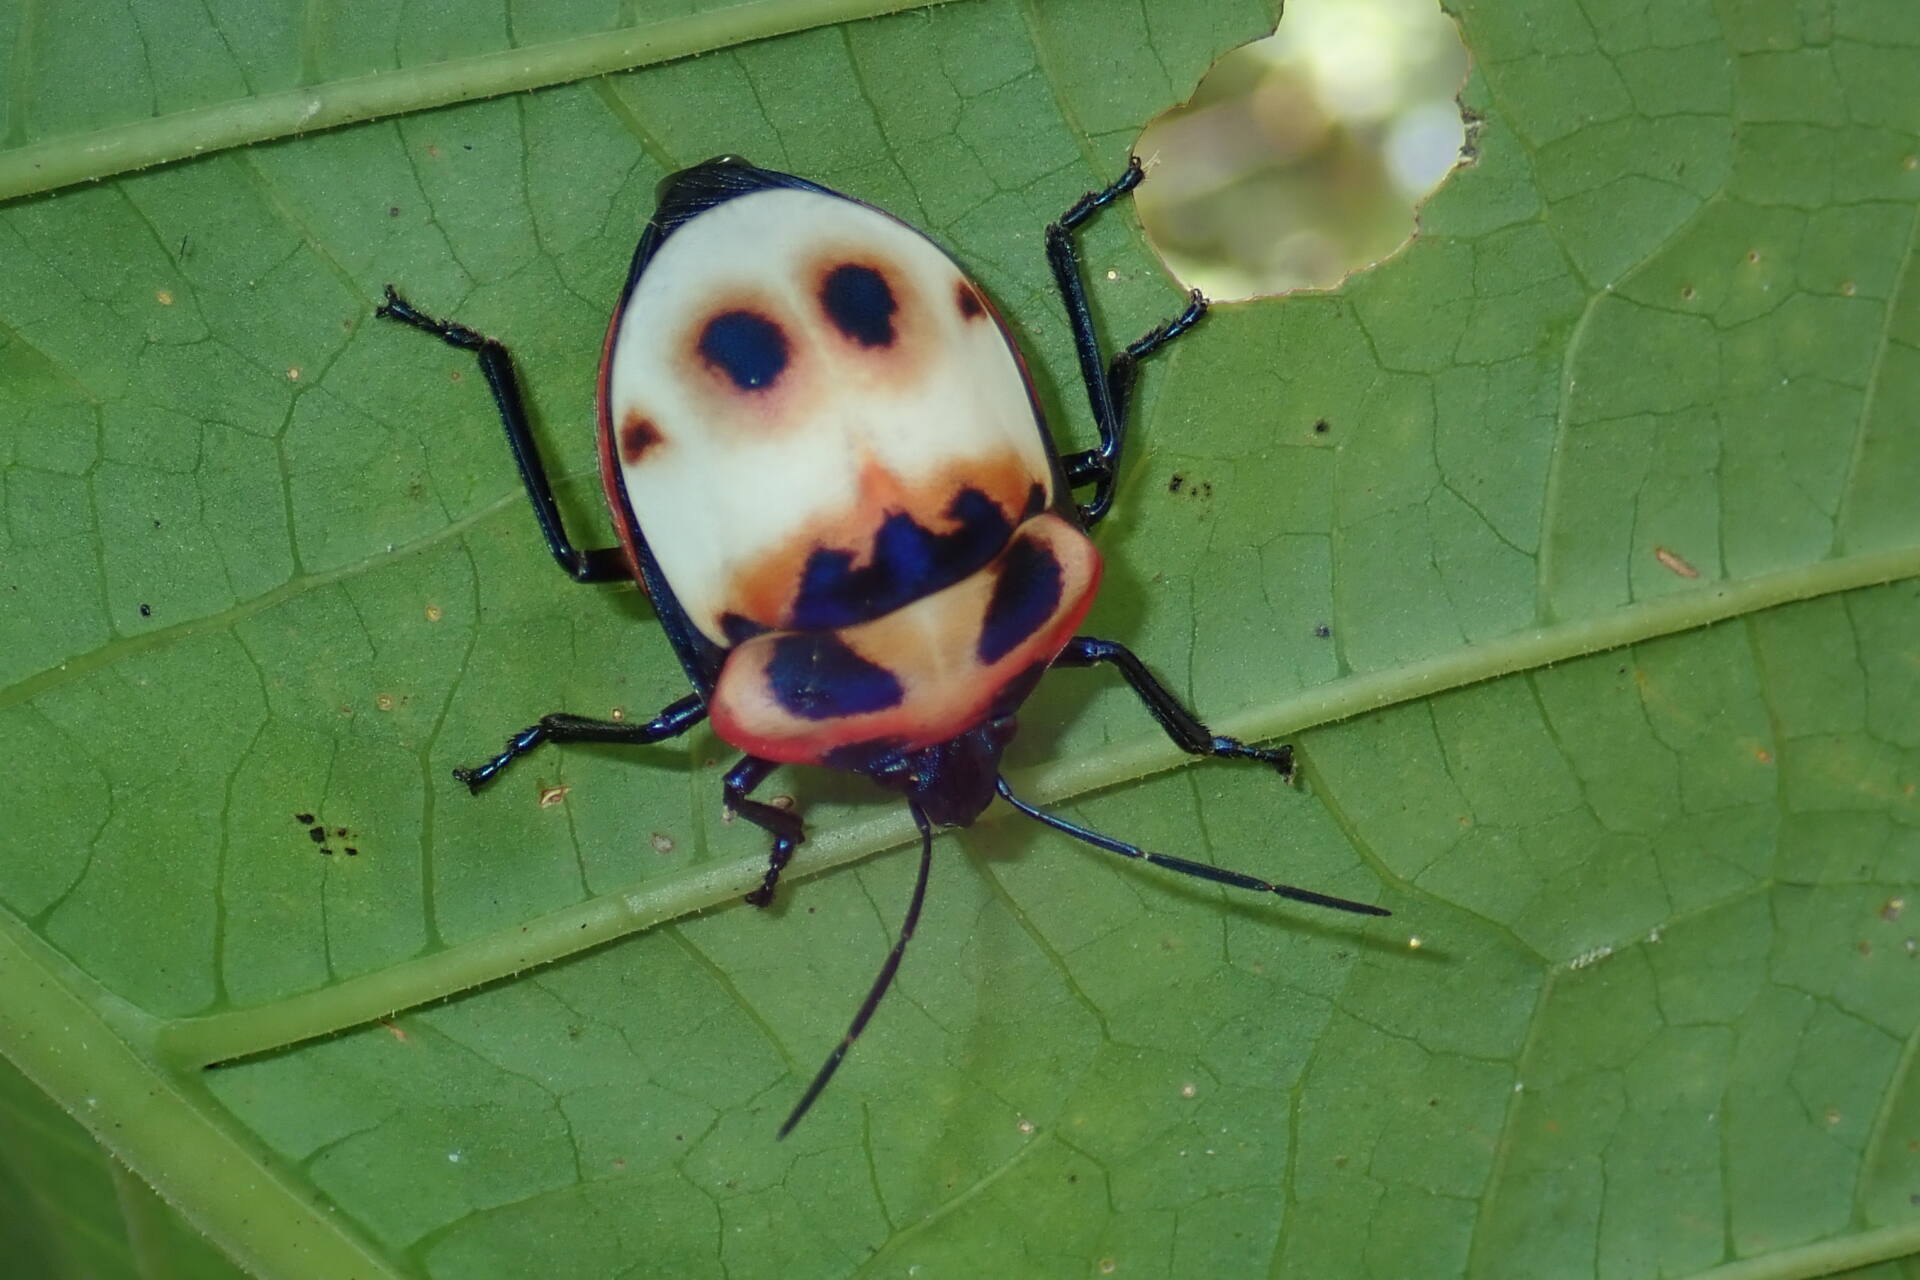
1199	870
880	984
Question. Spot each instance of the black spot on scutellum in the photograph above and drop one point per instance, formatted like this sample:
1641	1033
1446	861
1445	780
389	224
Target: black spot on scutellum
738	628
817	676
746	346
1024	597
860	304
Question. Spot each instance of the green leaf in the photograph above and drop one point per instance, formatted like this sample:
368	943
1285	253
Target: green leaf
1612	535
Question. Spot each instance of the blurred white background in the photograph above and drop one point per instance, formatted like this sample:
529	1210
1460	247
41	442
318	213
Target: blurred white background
1303	156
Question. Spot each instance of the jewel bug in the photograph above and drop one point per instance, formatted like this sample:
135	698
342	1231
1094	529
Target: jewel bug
830	472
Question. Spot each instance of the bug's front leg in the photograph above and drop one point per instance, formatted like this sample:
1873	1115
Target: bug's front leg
597	564
788	832
1109	382
561	727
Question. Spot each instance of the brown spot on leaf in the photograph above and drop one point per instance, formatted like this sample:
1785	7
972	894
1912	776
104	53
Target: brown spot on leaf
1675	562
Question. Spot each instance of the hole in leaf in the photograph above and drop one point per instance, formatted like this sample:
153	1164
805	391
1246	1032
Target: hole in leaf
1302	158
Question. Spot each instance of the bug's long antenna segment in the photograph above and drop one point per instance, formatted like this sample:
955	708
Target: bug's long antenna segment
1199	870
880	984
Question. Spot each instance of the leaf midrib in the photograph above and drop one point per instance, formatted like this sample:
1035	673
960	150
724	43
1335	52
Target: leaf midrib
51	163
197	1041
94	1056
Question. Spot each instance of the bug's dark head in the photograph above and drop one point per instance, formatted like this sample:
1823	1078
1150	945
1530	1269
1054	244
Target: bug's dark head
711	170
951	781
687	193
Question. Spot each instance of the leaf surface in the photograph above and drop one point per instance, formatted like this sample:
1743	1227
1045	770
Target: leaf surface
1593	612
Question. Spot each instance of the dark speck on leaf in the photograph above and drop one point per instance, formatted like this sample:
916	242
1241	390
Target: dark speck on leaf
146	611
1321	427
326	851
352	852
304	819
340	831
318	835
1322	630
1174	485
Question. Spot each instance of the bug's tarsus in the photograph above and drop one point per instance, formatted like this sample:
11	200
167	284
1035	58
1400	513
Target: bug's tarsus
454	335
1159	336
1185	728
1109	382
880	983
1094	201
788	832
672	721
1186	867
598	564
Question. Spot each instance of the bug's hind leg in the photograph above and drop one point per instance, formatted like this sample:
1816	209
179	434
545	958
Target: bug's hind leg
786	828
1181	724
1109	382
673	721
598	564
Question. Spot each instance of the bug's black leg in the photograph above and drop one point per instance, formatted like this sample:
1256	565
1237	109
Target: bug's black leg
1109	383
675	720
788	832
1184	727
600	564
880	984
1185	866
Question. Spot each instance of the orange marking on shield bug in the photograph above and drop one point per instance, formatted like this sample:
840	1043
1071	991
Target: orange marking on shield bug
765	592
